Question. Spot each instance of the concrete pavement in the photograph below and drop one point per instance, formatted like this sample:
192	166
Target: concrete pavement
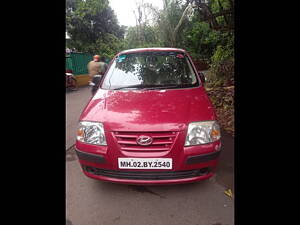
92	202
75	103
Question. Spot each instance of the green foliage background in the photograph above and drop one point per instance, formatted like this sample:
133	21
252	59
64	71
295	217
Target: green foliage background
94	28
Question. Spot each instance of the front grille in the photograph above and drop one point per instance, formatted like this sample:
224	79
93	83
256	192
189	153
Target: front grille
142	175
162	141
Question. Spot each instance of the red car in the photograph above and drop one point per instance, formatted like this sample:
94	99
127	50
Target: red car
150	122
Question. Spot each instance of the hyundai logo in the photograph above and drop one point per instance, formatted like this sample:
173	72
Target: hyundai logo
144	140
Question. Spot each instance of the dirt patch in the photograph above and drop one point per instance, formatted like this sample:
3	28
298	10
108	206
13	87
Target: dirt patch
223	101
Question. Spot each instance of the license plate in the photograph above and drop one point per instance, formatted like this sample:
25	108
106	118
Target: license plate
145	163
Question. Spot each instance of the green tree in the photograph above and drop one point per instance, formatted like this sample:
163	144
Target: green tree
200	40
93	27
150	37
171	20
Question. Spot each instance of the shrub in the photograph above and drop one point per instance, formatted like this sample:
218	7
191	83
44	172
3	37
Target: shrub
222	65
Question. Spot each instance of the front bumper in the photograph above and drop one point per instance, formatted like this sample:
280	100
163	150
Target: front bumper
194	167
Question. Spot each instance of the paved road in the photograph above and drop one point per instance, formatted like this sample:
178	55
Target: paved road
75	102
92	202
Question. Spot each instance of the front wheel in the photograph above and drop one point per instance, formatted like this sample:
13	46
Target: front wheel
74	85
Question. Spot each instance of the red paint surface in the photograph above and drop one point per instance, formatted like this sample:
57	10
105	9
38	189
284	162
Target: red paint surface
149	111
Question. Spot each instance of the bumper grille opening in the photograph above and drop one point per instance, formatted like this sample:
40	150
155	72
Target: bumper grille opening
146	175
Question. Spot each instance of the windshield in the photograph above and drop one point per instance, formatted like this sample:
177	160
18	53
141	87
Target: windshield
158	70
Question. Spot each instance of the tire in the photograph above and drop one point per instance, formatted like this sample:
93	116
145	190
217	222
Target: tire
74	86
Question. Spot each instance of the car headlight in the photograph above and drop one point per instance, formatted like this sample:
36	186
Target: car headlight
91	133
202	133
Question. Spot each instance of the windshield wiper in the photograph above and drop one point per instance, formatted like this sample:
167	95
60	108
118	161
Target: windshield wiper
153	87
169	86
131	86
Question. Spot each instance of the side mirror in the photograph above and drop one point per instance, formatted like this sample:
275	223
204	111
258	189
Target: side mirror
202	77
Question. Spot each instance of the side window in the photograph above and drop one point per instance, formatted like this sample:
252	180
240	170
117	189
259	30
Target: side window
190	71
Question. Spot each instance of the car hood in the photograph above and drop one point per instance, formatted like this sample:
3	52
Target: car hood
148	110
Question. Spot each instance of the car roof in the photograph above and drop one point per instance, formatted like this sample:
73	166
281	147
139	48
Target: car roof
151	49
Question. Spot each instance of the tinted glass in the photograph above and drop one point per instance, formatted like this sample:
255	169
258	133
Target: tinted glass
150	69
